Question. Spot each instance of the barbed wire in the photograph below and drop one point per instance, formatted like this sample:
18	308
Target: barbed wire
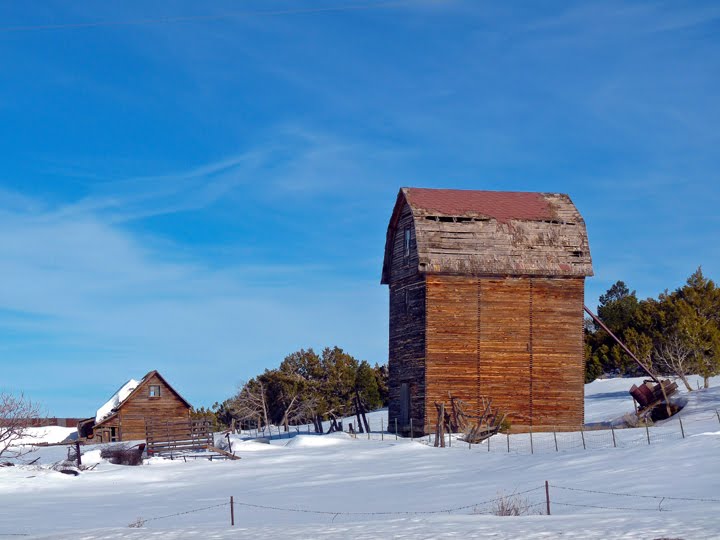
608	507
194	510
666	497
387	512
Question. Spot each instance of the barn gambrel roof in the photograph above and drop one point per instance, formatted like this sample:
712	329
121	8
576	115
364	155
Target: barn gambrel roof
470	232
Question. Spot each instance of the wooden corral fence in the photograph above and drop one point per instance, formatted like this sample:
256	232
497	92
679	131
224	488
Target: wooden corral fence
176	436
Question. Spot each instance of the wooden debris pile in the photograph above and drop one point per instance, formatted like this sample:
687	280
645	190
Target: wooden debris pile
475	426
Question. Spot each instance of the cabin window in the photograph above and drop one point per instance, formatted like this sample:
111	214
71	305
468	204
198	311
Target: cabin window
406	252
154	390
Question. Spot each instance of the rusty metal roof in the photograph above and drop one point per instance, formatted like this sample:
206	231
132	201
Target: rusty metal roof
469	232
499	205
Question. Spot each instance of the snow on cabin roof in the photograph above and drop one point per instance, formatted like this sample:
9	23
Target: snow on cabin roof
117	398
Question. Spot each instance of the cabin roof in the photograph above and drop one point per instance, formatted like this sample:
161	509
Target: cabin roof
125	394
473	232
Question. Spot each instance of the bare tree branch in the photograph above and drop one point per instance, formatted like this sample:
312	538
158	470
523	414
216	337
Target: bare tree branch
17	414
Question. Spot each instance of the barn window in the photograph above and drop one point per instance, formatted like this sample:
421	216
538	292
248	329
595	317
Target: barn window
154	390
407	243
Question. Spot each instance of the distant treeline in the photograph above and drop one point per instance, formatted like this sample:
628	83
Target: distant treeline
677	333
307	388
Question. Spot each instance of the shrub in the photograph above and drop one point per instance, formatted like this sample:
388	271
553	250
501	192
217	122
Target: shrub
512	505
122	455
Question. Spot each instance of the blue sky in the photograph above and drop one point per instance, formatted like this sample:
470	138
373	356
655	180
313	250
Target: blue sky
204	196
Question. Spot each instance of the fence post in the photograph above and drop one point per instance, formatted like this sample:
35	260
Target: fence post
582	434
77	451
508	440
532	451
555	437
396	433
232	512
612	429
647	431
382	429
547	496
682	429
412	434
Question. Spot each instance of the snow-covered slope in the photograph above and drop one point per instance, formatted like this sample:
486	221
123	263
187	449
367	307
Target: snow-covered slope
339	487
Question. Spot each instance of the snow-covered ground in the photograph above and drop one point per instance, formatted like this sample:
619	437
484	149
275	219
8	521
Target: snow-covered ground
336	486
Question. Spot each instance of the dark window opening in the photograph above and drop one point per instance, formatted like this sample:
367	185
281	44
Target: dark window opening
577	253
455	219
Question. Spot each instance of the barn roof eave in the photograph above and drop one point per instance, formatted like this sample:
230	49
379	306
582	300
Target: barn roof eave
389	237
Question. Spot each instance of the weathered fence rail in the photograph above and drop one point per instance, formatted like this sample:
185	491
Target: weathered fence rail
175	436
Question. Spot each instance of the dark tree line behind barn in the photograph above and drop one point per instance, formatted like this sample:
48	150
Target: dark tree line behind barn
677	333
308	388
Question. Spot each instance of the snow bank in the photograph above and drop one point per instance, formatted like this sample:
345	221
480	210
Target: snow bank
318	441
117	398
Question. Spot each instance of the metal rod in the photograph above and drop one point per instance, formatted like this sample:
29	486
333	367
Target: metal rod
628	351
531	442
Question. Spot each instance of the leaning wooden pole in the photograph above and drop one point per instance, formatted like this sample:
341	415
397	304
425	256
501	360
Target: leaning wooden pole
624	348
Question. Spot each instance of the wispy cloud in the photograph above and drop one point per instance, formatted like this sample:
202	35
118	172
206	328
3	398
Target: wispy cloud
82	288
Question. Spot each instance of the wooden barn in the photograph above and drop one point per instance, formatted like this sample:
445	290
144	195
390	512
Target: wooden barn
124	416
486	302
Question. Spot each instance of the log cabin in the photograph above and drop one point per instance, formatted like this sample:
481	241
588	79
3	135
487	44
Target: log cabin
486	302
124	416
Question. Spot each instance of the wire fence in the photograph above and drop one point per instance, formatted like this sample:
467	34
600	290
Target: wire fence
548	498
561	440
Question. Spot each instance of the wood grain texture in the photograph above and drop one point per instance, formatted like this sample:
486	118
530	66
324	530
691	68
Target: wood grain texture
487	308
133	413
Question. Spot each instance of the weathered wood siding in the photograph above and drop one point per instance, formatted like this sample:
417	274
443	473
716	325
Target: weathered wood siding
557	345
451	341
129	421
407	328
486	301
515	340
